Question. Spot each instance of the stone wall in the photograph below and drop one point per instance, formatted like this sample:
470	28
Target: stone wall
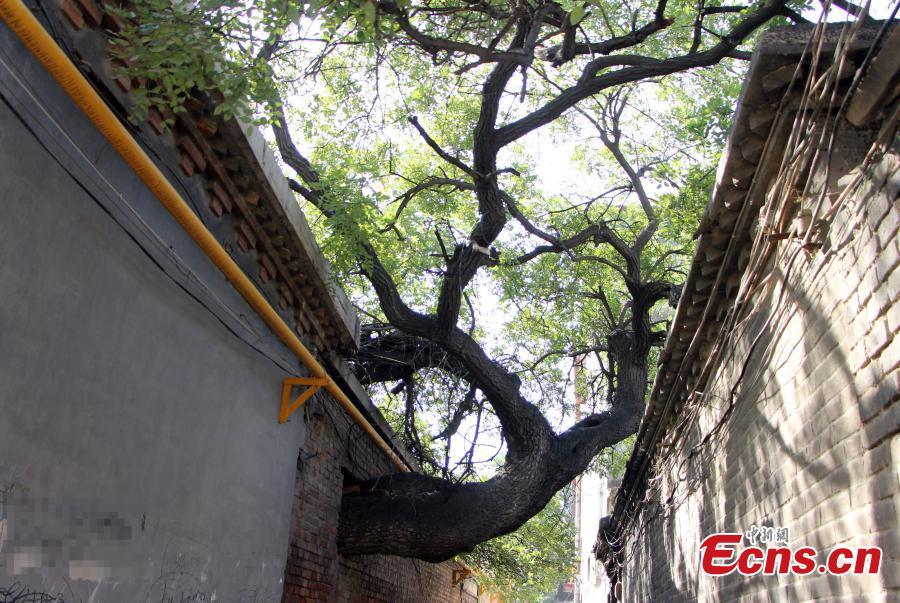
799	417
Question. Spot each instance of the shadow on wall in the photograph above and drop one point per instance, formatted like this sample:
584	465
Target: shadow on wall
795	452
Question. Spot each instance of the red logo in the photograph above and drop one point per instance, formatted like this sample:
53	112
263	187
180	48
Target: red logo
722	554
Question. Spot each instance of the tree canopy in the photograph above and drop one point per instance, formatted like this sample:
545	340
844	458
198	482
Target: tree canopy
505	188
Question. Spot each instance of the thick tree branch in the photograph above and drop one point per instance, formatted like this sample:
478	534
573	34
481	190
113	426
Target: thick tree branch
596	233
794	16
467	259
434	45
589	85
559	55
851	8
412	511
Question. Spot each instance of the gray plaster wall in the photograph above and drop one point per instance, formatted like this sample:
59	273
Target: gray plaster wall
140	454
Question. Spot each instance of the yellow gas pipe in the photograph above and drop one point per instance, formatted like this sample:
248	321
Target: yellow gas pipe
44	48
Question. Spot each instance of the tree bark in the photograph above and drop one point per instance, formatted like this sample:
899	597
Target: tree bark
414	515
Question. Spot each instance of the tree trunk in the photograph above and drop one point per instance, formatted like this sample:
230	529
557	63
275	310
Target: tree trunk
414	515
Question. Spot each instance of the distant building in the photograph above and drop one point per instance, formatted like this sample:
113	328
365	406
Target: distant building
596	500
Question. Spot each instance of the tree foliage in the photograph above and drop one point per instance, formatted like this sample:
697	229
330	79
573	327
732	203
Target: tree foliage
534	560
503	187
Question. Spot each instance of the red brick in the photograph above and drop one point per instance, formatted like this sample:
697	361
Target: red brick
267	266
186	165
244	229
195	104
207	125
219	191
92	13
191	149
156	121
73	12
286	292
124	82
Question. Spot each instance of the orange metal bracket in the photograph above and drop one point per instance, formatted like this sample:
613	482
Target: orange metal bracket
459	575
287	406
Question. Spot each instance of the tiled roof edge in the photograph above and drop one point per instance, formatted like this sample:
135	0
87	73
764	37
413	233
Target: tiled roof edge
730	209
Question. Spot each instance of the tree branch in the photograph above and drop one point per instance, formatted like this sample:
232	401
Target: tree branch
610	134
395	309
434	45
463	409
526	224
558	55
394	355
851	8
589	85
598	233
467	259
433	182
441	152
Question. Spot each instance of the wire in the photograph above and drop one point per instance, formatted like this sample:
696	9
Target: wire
800	152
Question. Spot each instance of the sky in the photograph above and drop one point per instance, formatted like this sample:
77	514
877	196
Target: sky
552	157
553	160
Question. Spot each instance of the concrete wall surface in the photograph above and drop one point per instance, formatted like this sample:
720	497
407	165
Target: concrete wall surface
140	454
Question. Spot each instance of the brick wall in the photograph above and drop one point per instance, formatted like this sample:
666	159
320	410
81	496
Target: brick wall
315	570
799	418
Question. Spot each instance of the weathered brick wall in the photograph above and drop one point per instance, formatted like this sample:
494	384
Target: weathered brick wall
315	570
798	424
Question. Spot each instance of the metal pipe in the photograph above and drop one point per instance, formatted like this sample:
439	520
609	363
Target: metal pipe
33	35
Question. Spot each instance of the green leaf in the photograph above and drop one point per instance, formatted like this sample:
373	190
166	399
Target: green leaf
370	11
292	14
577	14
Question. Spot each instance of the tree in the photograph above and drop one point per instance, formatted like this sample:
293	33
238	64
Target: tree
529	563
416	224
